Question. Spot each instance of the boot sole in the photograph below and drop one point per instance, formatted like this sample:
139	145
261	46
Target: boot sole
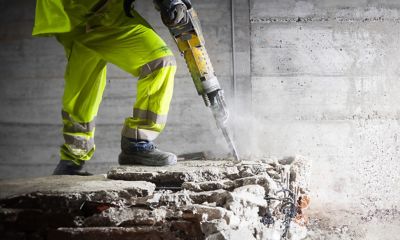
126	159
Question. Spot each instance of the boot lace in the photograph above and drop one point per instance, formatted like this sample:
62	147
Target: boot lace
144	146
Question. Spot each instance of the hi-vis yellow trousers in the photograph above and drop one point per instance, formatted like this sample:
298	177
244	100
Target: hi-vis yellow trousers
107	35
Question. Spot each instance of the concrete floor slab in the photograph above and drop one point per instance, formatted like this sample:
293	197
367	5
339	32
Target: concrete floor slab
71	185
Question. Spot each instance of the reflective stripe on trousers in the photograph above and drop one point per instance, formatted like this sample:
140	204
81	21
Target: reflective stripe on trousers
74	127
78	139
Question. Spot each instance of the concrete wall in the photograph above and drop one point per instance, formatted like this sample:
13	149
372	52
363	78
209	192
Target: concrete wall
324	84
325	78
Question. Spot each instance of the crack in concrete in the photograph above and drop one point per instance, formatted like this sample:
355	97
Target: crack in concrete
320	19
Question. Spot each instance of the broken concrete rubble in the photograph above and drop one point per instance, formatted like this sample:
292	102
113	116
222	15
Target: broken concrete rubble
192	200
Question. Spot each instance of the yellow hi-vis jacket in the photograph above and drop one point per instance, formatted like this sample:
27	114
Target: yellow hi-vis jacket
61	16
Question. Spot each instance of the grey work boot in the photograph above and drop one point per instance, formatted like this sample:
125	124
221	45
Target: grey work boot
66	167
143	153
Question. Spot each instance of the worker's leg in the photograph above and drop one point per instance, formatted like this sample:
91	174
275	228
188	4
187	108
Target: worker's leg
154	93
137	49
141	52
85	80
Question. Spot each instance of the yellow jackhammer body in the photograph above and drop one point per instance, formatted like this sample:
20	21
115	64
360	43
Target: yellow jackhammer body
190	41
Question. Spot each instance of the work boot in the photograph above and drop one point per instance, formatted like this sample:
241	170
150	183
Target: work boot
143	153
66	167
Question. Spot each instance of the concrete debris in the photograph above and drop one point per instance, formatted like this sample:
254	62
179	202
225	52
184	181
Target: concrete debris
208	185
193	200
186	171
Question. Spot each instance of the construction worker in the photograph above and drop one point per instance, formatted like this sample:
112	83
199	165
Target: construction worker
93	33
